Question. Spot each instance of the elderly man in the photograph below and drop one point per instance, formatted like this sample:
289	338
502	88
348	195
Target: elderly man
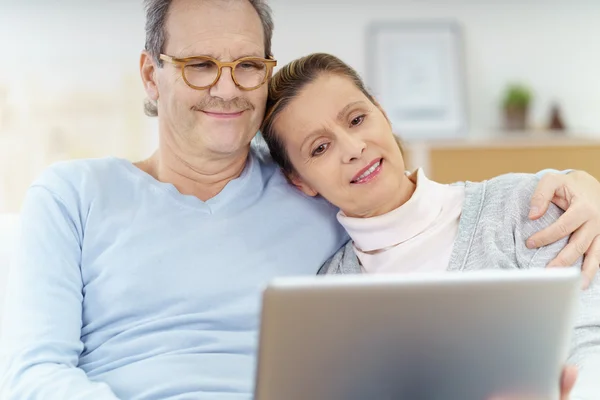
142	281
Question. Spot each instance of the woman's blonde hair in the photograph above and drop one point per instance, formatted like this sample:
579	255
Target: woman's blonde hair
287	83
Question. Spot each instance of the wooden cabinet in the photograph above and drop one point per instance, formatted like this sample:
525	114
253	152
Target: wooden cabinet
482	158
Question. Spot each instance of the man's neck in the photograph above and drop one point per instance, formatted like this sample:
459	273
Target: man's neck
201	176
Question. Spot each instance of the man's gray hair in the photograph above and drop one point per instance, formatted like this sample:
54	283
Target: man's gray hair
156	18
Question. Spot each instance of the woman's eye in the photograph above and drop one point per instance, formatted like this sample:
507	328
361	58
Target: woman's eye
357	121
320	149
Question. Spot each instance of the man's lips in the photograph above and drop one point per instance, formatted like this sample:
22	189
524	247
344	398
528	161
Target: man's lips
223	115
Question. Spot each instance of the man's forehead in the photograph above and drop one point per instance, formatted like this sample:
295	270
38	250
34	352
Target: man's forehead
221	48
219	29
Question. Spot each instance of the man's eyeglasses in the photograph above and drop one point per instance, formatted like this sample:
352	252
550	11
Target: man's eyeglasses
203	72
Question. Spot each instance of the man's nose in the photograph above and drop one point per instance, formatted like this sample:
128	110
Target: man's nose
225	88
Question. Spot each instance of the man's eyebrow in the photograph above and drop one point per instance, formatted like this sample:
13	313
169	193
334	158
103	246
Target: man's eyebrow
255	54
252	54
344	110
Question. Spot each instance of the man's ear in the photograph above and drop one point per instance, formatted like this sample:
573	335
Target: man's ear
147	71
295	180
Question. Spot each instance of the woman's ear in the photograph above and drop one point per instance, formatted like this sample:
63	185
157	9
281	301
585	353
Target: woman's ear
295	180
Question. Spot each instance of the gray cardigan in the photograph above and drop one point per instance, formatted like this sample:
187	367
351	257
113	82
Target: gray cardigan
493	228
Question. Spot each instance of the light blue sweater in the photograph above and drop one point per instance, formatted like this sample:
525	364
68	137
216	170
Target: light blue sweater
124	288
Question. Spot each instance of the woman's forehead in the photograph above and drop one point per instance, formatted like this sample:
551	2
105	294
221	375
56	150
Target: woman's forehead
326	96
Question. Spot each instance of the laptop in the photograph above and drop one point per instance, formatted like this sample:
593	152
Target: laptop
453	336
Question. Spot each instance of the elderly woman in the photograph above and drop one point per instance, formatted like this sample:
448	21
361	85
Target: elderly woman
332	138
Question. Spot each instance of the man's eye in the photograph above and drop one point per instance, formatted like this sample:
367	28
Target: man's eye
357	121
320	149
249	65
201	65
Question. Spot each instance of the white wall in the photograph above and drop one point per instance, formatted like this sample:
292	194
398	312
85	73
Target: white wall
554	46
69	87
52	48
9	231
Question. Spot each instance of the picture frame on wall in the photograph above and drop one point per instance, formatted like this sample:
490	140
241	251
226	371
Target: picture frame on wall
416	71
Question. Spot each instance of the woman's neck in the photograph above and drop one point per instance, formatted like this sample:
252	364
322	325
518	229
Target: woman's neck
407	189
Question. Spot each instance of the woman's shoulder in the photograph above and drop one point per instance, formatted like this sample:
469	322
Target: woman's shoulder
505	206
497	224
344	261
505	197
510	190
501	200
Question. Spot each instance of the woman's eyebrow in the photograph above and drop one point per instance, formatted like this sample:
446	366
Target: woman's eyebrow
317	132
344	110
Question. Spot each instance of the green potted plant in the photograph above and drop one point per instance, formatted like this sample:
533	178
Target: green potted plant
516	102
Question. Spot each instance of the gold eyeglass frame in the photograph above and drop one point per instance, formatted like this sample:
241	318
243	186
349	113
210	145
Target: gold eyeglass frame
270	63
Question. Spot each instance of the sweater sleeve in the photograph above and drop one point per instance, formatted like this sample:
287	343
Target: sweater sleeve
549	170
585	349
41	340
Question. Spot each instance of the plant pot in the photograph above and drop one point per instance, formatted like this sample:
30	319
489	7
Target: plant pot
515	118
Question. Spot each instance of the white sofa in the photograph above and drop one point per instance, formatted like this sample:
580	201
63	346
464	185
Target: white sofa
9	231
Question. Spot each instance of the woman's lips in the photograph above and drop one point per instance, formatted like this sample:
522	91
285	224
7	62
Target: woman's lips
368	173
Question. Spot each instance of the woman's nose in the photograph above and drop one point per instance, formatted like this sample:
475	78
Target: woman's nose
353	148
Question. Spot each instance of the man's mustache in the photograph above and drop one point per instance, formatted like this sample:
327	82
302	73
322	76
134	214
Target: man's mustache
215	104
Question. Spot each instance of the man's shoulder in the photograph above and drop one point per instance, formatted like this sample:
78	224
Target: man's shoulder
267	165
74	178
274	178
269	168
